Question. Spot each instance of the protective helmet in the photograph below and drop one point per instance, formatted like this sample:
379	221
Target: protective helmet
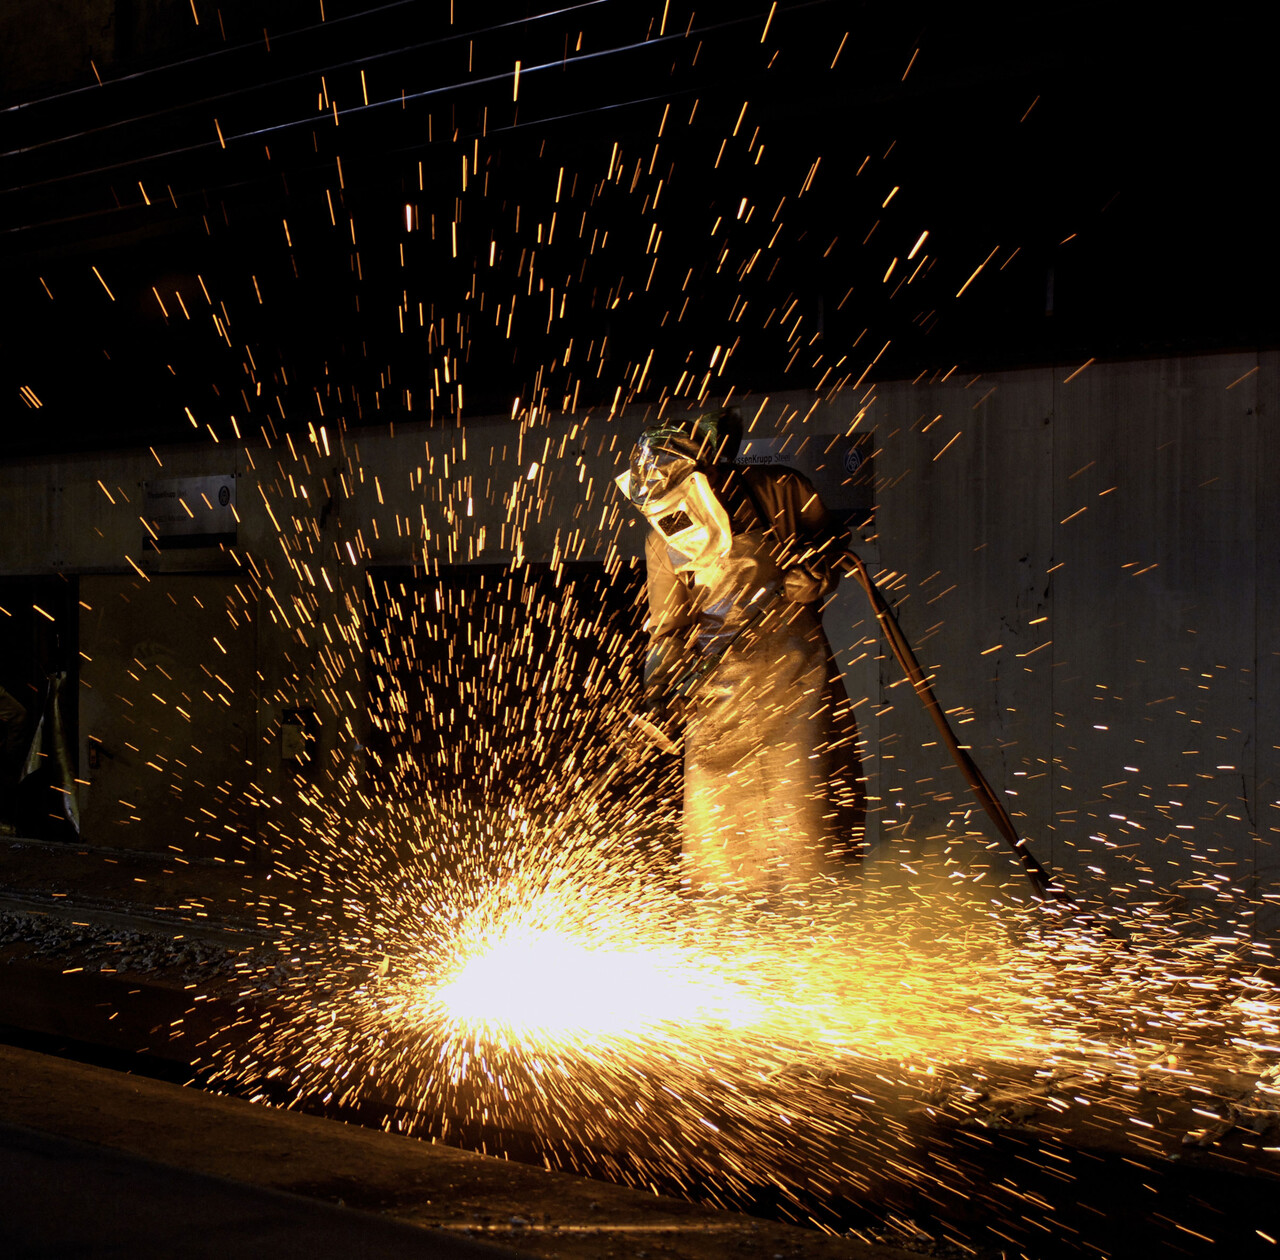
667	452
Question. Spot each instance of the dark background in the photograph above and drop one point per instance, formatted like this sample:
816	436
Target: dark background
1131	192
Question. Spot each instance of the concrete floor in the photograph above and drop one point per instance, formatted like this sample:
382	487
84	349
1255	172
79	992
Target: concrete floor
97	1163
65	1198
1116	1167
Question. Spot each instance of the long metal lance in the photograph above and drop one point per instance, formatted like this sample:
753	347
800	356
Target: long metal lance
1040	879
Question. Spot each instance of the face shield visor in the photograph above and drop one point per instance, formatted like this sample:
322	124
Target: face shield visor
660	460
687	513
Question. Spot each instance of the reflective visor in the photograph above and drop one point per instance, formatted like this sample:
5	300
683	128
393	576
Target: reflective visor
658	465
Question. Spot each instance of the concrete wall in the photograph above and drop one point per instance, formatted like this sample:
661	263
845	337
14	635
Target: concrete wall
1087	563
169	732
1090	567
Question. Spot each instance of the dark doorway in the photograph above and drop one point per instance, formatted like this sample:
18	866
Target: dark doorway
39	640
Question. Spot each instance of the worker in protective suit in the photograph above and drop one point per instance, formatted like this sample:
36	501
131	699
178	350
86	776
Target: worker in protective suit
738	561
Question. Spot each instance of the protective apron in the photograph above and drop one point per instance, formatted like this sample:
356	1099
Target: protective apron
772	796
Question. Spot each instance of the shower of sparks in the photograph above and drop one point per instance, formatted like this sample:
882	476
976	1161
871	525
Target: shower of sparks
476	894
575	1001
570	1003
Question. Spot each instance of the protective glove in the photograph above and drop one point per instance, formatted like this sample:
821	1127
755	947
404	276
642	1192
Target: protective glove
664	707
663	663
806	584
661	719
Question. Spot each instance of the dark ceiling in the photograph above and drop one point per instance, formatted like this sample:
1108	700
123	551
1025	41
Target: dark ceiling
271	247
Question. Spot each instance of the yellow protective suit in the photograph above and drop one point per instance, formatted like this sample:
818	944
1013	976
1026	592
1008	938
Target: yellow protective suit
773	795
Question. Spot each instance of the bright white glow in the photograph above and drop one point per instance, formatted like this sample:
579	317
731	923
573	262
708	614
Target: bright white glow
548	982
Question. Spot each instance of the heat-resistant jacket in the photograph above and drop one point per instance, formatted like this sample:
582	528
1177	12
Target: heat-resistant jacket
773	796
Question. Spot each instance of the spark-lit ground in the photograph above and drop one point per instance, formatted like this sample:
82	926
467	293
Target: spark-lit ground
576	1008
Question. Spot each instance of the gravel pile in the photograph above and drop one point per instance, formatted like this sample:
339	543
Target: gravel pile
101	947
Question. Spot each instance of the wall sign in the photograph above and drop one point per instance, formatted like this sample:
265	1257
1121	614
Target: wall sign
840	466
184	506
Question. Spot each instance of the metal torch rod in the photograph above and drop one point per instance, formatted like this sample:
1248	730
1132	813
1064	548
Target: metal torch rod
1040	879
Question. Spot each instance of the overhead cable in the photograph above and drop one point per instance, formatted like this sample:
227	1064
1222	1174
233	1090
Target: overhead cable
263	85
235	48
401	101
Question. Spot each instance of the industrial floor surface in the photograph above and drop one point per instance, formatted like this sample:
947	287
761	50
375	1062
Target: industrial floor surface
97	1163
126	960
65	1198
